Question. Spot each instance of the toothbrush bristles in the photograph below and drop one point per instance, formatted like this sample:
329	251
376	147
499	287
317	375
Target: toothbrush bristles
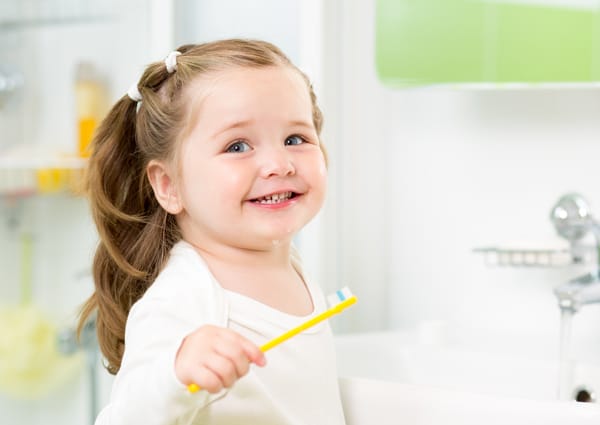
339	296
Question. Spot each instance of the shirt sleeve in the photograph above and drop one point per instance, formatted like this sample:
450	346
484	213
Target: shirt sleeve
146	389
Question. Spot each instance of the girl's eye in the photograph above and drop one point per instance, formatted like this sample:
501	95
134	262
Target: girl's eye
238	147
294	140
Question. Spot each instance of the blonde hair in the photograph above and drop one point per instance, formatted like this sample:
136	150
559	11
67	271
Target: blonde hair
136	233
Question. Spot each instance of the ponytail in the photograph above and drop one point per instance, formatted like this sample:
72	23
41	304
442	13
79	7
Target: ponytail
136	234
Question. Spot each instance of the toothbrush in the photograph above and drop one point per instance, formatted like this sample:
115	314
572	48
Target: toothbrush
338	301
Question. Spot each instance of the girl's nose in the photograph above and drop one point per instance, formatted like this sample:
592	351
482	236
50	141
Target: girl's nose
277	162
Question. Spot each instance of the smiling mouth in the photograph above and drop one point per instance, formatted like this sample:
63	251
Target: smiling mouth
275	198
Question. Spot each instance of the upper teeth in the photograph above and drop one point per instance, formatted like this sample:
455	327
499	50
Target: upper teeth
276	197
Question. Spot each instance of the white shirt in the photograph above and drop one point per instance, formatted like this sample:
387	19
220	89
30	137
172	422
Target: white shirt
297	386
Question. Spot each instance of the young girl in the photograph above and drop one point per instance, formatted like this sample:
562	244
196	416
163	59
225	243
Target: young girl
199	179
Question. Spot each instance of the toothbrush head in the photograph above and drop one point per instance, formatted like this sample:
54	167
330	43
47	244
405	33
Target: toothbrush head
341	298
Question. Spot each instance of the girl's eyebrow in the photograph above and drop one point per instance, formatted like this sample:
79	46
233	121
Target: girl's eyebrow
243	123
301	123
233	125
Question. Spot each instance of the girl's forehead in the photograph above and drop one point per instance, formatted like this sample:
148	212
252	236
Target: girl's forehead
236	78
241	88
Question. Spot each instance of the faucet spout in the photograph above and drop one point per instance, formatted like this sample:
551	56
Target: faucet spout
579	291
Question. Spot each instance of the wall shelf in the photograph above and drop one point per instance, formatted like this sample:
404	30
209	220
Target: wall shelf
24	176
14	163
8	25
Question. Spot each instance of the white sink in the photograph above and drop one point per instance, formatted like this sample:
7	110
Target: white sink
370	402
432	376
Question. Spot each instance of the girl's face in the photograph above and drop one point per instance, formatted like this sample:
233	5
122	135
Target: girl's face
251	172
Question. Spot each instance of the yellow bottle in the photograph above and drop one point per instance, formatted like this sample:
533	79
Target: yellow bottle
90	99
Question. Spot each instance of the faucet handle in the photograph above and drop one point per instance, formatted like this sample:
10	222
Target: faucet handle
571	217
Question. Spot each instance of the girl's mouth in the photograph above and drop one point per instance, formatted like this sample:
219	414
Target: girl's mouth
275	198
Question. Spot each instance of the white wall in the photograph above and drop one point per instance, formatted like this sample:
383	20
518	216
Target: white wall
427	174
270	20
487	173
355	217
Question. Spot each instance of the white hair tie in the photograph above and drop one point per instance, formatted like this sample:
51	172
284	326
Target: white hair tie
171	61
134	93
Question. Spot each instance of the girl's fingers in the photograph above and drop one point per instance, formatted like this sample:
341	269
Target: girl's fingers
208	380
254	354
241	353
251	351
215	358
224	368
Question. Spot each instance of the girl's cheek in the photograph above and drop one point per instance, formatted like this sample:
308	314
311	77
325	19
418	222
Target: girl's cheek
323	169
321	166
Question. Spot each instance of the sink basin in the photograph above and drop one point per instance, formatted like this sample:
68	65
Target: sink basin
433	376
368	402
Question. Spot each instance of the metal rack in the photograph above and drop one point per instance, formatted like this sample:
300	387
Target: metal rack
508	257
573	221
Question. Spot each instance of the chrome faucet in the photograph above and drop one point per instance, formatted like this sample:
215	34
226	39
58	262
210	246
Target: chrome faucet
573	221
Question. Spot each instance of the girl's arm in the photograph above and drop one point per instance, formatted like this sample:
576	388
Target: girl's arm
164	353
146	389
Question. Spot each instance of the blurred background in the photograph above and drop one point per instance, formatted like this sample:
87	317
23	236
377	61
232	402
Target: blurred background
447	153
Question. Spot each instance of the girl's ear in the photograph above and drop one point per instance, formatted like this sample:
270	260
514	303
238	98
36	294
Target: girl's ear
164	186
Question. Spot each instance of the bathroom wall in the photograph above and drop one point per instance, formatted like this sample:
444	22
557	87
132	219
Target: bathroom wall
427	174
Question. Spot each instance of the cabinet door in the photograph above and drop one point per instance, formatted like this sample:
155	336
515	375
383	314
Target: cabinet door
476	41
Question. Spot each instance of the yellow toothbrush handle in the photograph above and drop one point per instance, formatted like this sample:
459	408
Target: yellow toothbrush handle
295	331
193	388
308	324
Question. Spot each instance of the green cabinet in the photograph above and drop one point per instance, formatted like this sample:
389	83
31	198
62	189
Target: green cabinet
421	42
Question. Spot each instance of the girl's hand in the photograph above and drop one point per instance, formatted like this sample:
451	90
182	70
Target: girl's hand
214	358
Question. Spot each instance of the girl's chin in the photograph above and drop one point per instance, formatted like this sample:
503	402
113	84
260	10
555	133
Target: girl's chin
266	245
277	239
